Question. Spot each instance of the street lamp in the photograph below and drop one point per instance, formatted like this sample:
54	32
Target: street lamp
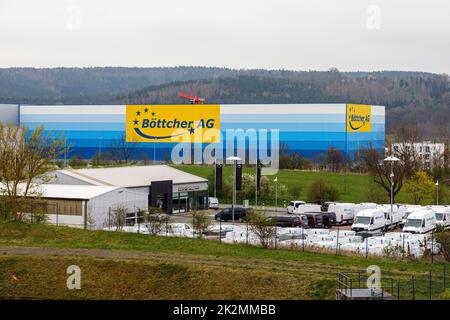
235	160
392	159
276	192
437	192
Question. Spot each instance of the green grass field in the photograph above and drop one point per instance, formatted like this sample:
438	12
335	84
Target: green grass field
353	187
123	266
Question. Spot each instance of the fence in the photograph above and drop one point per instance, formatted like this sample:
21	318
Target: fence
429	286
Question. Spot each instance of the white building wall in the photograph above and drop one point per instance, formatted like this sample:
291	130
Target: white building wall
98	207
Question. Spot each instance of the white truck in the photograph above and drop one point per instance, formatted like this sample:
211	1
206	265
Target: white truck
370	221
420	221
442	214
344	212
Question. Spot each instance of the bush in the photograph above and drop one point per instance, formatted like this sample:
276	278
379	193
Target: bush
320	191
200	222
262	227
443	238
77	162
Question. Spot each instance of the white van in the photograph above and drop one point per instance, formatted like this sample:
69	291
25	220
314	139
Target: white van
344	212
407	212
442	214
392	220
307	207
213	203
363	206
293	205
369	220
420	221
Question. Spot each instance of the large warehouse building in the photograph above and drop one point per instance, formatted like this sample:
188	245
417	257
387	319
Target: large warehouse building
310	129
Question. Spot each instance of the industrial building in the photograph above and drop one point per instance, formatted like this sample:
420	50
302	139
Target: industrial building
86	206
172	190
309	129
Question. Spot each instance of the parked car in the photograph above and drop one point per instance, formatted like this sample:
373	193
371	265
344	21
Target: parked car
420	221
240	214
290	221
329	219
213	203
292	205
315	219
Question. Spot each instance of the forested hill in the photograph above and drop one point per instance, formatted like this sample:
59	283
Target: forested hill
410	100
410	97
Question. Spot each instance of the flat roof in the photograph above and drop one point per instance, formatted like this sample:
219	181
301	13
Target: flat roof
64	191
134	176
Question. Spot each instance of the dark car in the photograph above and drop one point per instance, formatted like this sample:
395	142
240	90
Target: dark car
315	219
240	214
290	221
329	219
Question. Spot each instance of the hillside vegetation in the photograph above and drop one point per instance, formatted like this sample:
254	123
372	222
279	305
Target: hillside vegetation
410	97
125	266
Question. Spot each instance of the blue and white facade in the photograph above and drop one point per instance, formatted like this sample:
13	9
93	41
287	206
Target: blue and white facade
309	129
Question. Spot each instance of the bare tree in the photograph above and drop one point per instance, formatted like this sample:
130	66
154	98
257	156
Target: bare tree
118	217
25	156
122	150
156	221
380	170
262	226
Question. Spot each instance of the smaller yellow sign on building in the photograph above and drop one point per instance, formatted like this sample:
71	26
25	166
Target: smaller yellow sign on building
173	123
359	118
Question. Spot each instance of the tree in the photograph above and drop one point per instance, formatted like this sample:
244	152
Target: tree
200	222
319	191
123	151
25	156
419	186
118	217
262	226
380	170
334	159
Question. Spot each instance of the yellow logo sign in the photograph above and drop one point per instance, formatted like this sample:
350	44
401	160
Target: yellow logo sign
172	123
359	118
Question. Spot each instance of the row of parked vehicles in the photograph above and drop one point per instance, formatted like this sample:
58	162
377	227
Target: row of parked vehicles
369	218
375	218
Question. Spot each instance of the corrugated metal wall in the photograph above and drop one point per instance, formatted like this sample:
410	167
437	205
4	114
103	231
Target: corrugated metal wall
309	129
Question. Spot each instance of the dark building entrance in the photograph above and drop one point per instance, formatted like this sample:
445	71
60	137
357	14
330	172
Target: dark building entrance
161	195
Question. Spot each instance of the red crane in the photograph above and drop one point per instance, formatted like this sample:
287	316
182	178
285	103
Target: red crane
191	98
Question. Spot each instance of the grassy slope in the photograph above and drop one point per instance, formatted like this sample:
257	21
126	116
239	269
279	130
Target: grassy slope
222	271
353	187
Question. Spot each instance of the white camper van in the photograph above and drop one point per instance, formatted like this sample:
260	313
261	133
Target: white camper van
344	212
394	219
420	221
407	212
370	221
442	214
293	205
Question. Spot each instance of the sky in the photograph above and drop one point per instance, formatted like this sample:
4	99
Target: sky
351	35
